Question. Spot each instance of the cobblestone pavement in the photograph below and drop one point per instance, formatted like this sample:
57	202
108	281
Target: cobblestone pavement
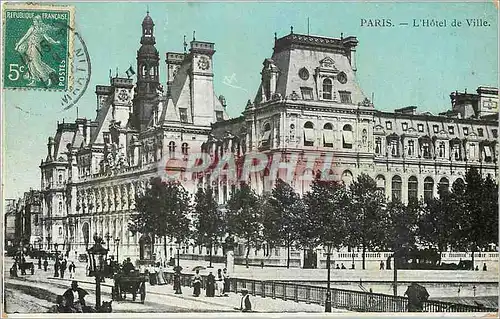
159	298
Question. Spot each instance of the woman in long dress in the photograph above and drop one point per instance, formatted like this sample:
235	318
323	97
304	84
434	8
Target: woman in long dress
30	48
197	284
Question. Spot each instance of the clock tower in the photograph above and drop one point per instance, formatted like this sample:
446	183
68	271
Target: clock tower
147	75
203	98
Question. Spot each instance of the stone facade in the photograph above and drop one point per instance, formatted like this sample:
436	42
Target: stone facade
308	105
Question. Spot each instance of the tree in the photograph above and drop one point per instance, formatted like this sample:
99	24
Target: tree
207	219
473	203
282	213
436	226
490	206
401	227
325	206
162	211
244	216
366	214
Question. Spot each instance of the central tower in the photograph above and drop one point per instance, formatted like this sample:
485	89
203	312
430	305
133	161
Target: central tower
147	75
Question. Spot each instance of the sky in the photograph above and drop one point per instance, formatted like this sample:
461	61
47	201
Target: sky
400	65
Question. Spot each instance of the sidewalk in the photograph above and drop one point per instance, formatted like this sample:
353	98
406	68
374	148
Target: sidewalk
164	294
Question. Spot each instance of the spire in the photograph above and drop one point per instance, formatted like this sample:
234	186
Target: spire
147	30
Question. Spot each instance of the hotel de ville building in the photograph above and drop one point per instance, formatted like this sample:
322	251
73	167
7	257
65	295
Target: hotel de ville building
308	102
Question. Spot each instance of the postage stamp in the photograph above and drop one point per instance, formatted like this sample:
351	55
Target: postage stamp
38	46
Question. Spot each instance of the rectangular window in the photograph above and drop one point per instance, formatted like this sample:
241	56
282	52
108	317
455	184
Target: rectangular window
451	130
466	131
219	116
495	133
404	126
435	128
487	153
307	93
388	125
183	115
420	127
345	97
480	132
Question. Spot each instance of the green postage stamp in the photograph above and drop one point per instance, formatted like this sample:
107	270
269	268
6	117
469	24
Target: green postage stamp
37	46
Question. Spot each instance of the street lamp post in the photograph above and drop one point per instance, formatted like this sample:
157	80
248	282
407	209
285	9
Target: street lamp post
178	253
107	236
97	256
328	302
117	244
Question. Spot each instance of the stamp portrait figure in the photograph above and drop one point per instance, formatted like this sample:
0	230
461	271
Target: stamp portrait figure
30	47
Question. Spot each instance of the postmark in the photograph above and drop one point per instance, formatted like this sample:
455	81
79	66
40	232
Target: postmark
38	46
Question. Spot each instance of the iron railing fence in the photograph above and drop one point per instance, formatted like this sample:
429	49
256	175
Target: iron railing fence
360	301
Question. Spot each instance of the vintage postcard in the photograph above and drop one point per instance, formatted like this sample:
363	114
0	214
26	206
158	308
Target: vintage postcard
234	159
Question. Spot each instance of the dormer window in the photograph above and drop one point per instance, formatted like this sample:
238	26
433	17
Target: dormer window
345	97
219	116
307	93
435	128
327	89
466	131
404	126
420	127
183	115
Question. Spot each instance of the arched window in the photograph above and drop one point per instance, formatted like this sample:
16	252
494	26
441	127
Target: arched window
444	185
328	135
265	140
347	178
60	178
347	138
171	148
380	179
60	208
364	136
184	148
308	134
412	188
327	89
396	188
428	188
60	231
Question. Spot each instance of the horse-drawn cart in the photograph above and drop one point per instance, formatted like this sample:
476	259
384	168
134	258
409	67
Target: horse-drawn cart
132	283
23	266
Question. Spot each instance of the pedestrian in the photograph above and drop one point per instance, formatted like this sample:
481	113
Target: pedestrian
13	270
245	304
61	307
197	283
219	283
56	267
477	267
227	287
177	282
484	267
39	262
71	269
381	265
75	297
45	264
342	266
210	290
63	268
337	267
